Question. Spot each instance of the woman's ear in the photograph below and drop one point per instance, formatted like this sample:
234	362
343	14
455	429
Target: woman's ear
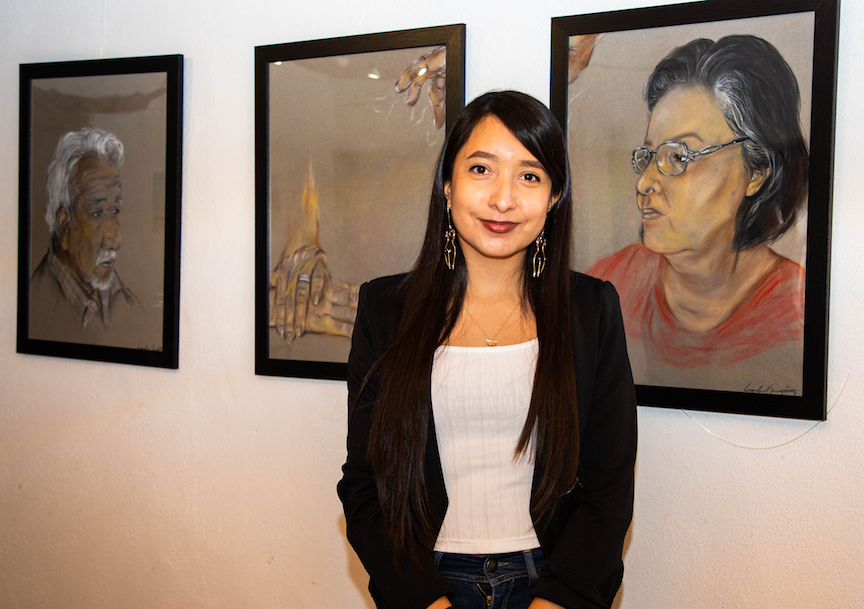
447	193
552	201
757	179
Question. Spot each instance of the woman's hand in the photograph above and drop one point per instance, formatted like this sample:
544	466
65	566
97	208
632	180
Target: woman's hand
441	603
542	603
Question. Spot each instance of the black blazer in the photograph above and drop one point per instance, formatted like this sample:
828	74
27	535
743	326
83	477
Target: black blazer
583	542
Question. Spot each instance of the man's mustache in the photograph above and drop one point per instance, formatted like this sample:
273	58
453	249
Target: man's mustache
106	256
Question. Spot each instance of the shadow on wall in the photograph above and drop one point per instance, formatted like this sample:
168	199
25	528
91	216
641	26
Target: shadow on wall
356	573
619	598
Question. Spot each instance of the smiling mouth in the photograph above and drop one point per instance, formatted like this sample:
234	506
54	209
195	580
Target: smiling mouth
498	227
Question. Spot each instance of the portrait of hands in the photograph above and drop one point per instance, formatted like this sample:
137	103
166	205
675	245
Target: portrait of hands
304	297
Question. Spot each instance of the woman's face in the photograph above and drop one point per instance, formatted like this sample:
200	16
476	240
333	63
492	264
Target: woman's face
499	194
694	212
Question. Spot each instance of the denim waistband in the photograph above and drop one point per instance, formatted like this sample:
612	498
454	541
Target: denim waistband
491	567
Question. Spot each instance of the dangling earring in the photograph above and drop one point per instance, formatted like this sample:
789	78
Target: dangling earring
539	261
450	244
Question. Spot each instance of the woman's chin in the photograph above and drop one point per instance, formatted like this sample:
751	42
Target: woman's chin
654	244
664	247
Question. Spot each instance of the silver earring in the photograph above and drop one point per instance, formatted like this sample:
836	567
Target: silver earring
538	263
450	244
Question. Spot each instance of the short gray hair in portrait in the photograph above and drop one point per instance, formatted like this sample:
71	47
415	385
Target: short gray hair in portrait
73	147
757	91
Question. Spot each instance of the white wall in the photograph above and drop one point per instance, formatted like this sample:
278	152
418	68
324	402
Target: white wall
211	487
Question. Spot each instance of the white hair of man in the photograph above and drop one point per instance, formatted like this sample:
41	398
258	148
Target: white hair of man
74	146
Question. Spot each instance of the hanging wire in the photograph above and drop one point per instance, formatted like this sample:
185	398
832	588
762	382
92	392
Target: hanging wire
787	443
104	29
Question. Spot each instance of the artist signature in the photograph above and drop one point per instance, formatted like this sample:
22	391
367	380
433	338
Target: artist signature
787	390
149	347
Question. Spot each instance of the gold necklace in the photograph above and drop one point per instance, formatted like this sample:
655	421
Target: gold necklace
491	342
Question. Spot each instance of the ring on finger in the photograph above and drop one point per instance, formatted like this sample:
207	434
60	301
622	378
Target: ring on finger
304	278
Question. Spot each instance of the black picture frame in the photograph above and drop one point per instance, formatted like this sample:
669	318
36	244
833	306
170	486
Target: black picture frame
331	125
138	100
632	43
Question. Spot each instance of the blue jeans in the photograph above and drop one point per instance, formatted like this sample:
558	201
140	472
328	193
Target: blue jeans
491	581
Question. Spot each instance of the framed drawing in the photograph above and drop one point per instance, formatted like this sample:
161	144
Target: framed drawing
701	137
100	149
347	131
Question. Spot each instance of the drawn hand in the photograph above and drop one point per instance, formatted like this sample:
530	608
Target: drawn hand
304	297
430	68
336	309
581	48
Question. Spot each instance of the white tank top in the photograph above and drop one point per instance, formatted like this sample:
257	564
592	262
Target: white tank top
480	400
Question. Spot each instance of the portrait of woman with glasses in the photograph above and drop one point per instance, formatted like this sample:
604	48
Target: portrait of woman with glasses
721	174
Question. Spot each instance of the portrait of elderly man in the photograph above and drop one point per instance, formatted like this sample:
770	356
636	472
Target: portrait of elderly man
75	292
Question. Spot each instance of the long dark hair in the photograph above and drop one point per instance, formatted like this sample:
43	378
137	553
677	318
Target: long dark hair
758	94
433	297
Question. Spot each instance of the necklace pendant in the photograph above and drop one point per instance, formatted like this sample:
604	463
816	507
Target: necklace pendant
491	342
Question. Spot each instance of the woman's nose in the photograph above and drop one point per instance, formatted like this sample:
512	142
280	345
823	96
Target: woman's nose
503	197
648	181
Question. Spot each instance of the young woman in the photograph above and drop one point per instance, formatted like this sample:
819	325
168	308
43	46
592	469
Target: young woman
492	419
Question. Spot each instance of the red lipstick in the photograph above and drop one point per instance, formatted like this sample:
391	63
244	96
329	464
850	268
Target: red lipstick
498	227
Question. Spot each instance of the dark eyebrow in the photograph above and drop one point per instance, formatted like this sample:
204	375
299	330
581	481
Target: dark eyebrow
486	155
534	164
482	155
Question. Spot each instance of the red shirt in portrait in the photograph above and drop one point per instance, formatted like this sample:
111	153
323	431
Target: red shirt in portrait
772	314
